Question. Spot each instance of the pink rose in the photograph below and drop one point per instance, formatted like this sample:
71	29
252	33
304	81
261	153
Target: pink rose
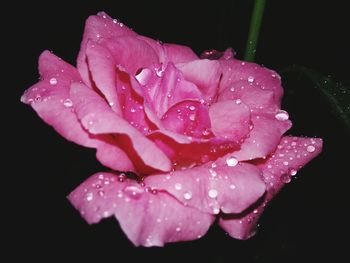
203	136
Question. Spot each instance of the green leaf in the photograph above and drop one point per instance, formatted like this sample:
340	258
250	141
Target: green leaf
335	93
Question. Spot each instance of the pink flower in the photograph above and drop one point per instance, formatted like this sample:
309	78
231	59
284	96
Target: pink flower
203	136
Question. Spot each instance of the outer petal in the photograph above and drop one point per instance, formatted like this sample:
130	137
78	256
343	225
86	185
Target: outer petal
230	119
96	27
235	70
258	100
263	138
98	118
210	189
148	218
179	53
103	72
205	74
131	53
291	155
50	98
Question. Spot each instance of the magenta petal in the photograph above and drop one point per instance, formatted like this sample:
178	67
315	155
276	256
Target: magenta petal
189	118
148	218
291	155
98	118
230	119
235	70
205	74
229	188
132	53
257	99
179	54
264	137
50	98
103	73
164	87
97	27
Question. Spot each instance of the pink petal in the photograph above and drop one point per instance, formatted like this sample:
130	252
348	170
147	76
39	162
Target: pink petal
164	87
170	52
205	74
50	98
97	27
264	137
257	99
179	53
132	101
131	53
103	73
189	118
291	155
236	71
230	188
147	217
230	119
98	118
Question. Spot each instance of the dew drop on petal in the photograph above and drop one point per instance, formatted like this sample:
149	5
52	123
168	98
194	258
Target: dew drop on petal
53	81
133	191
212	172
293	172
213	193
192	117
192	107
231	161
285	163
68	103
282	115
178	229
310	148
89	196
250	79
232	186
178	186
187	195
285	178
238	101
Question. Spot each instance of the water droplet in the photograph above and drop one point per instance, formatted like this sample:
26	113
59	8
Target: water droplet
238	101
285	178
120	194
178	186
231	161
187	195
121	177
192	117
282	115
68	103
38	98
132	110
53	81
178	229
232	186
192	107
133	191
216	210
213	193
255	211
101	193
100	176
285	163
293	172
310	148
115	21
212	172
89	196
250	79
111	103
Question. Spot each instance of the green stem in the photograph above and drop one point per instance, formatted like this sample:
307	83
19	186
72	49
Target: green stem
254	30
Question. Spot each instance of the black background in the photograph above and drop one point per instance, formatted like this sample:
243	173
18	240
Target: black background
305	221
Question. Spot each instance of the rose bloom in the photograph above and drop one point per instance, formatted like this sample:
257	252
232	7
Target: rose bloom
188	139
